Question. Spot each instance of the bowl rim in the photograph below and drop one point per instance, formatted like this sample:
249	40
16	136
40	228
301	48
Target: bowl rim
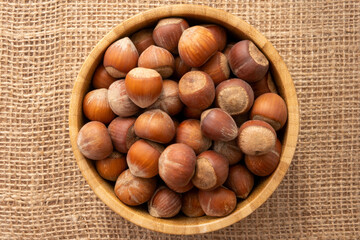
279	70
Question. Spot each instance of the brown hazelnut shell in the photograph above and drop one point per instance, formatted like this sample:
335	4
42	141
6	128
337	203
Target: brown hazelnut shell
122	133
190	204
264	165
217	203
271	108
177	165
240	180
211	170
234	96
218	125
96	106
111	167
155	125
132	190
256	137
247	62
94	141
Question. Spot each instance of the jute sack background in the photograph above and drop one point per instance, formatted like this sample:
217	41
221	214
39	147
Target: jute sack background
42	192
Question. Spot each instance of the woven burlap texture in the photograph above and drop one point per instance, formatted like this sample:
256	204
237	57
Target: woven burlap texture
42	192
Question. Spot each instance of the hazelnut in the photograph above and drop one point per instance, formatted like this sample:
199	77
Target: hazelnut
192	113
270	108
217	203
196	45
122	133
218	125
256	137
234	96
164	203
119	101
241	118
227	49
101	79
265	85
96	106
169	100
190	204
211	170
229	150
159	59
217	67
120	58
133	190
240	180
183	189
177	165
143	158
93	141
168	31
247	61
196	90
143	86
264	165
143	39
155	125
219	35
111	167
180	68
189	132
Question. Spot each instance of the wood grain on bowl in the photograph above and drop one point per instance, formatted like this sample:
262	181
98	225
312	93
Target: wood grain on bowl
284	83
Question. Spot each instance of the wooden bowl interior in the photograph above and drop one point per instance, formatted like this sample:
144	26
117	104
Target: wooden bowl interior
265	187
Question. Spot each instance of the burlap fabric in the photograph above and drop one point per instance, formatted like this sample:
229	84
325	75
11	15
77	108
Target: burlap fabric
42	192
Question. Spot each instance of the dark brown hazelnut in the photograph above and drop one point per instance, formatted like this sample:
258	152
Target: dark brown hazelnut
264	165
164	203
190	204
143	39
218	125
192	113
211	170
240	180
217	203
122	133
168	32
247	61
180	68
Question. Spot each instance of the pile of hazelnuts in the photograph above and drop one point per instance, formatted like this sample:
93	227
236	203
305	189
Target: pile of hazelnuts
177	144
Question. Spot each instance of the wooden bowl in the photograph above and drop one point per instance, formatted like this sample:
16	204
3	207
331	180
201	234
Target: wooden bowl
182	224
